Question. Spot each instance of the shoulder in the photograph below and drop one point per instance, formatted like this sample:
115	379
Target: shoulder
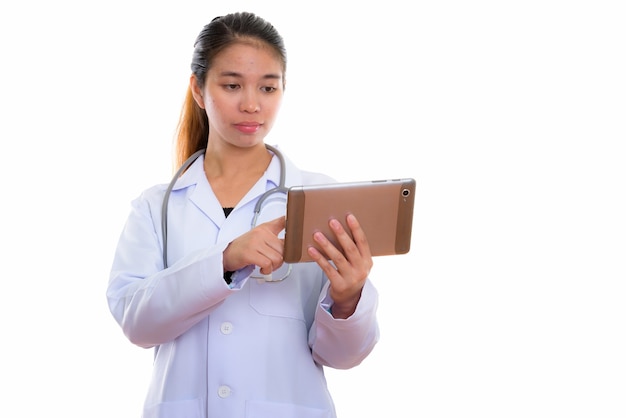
153	196
150	200
153	193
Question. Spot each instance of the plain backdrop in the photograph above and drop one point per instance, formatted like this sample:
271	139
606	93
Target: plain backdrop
510	115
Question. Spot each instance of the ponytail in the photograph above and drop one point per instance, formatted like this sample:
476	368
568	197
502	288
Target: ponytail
192	132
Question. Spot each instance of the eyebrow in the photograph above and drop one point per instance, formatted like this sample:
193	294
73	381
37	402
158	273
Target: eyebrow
239	75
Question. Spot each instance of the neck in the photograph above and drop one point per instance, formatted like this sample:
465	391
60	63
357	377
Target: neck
232	162
232	173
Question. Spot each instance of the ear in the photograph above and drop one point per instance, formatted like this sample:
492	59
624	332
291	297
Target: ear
196	91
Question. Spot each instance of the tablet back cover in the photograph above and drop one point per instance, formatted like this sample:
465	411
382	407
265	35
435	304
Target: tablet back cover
384	208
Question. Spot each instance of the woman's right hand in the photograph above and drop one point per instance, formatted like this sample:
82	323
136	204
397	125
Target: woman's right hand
260	247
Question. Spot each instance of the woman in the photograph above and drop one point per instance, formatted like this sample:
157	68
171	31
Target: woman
227	344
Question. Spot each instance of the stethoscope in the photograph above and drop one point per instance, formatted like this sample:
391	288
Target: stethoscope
281	188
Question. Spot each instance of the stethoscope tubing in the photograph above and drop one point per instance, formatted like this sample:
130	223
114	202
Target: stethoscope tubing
257	208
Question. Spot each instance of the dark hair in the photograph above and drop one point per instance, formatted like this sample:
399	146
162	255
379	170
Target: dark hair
223	31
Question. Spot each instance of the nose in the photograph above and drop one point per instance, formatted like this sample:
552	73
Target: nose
250	102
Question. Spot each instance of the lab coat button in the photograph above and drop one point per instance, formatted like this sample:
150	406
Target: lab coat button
226	328
223	391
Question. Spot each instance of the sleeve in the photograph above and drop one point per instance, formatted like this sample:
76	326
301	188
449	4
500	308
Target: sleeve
153	305
345	343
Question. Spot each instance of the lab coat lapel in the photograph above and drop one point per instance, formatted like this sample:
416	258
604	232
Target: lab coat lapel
201	196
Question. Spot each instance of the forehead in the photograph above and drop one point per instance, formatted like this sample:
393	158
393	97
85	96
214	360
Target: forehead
248	56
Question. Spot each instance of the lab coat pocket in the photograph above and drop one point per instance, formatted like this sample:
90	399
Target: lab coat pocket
282	299
191	408
283	410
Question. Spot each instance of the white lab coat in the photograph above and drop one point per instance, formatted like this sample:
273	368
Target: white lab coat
251	349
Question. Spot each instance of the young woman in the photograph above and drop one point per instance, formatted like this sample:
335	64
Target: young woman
228	343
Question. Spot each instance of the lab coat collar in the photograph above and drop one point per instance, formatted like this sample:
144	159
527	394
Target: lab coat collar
205	200
202	196
195	173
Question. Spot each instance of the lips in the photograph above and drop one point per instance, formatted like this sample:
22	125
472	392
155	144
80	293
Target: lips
248	127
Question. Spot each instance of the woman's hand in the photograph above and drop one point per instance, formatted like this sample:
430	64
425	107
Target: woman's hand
349	273
260	246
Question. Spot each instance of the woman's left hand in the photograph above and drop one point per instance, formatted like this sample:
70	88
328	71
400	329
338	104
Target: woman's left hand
350	271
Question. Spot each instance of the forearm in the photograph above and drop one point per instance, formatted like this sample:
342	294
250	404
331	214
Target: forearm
159	307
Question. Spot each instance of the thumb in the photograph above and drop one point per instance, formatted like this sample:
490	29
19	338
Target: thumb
276	225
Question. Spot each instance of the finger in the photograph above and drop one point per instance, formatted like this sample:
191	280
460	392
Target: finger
353	256
323	262
266	267
328	248
271	241
344	240
270	254
276	225
270	261
358	235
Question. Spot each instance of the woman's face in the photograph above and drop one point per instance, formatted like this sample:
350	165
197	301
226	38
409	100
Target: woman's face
242	94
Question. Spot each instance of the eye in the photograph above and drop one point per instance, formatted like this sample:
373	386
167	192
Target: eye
268	89
231	86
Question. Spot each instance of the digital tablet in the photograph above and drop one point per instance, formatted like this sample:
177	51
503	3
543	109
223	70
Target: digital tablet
384	208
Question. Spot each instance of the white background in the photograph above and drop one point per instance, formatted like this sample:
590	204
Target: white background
510	115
